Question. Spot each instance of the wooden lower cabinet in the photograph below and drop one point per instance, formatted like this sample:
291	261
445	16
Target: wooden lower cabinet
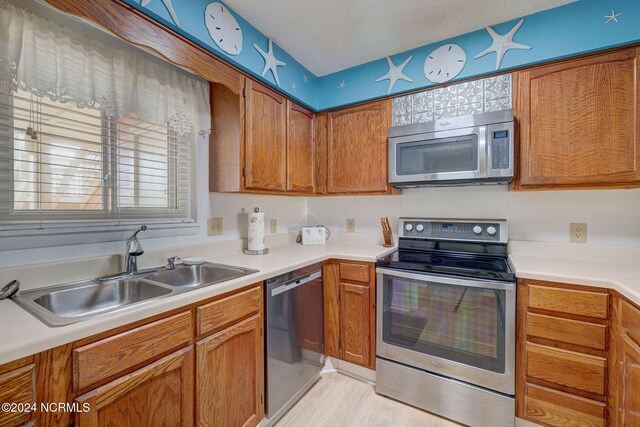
349	311
230	383
629	383
562	354
552	407
145	374
354	323
17	386
160	394
625	395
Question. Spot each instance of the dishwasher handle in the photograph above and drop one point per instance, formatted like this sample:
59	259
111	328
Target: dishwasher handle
285	287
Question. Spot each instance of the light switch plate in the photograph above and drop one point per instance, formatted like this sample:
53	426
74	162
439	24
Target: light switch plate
273	225
578	232
214	226
351	225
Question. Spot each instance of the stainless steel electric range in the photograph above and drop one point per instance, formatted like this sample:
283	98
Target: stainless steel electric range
446	320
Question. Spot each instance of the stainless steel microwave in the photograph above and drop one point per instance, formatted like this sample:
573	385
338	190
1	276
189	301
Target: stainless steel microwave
474	149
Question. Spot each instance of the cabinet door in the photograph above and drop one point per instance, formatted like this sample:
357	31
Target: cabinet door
265	147
629	383
17	386
579	122
230	383
331	292
357	149
354	323
300	150
160	394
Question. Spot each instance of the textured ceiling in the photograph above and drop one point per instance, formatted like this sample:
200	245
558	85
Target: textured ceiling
331	35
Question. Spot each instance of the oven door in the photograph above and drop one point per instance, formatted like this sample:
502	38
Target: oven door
452	155
460	328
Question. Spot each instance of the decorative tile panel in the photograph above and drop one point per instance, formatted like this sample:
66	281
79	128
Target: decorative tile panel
402	105
475	97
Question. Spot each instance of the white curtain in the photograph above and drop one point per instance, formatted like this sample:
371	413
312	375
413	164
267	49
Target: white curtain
48	59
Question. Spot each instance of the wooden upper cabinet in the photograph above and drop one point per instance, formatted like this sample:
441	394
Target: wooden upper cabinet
265	138
357	149
320	153
226	139
300	149
579	123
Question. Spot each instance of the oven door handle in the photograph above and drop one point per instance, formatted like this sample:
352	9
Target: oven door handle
484	284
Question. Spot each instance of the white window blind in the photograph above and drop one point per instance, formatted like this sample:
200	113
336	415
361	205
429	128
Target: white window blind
92	131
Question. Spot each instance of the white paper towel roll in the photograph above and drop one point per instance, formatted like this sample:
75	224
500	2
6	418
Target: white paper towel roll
256	231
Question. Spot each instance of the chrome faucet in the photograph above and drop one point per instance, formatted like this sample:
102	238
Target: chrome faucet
171	262
134	250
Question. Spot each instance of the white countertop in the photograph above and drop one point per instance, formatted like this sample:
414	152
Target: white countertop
601	266
21	334
616	268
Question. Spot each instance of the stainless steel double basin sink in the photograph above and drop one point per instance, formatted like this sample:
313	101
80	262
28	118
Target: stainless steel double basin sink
70	303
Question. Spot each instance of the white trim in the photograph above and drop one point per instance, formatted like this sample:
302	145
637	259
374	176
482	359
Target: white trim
80	234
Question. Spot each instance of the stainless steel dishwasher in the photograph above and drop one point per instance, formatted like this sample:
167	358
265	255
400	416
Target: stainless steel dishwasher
295	337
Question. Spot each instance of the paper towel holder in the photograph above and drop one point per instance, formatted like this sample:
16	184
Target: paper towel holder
256	251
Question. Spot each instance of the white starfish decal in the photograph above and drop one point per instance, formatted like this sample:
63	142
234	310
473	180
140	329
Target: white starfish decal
342	85
168	5
613	17
395	73
270	61
305	78
502	43
294	86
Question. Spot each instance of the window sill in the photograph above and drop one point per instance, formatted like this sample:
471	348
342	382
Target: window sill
75	234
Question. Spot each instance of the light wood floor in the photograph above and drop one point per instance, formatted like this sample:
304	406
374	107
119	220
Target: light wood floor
337	400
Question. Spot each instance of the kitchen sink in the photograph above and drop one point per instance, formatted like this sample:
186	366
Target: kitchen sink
70	303
198	275
62	305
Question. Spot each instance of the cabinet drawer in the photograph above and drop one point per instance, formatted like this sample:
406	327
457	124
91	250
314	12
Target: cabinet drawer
569	301
100	360
566	368
354	272
567	331
631	321
551	407
17	386
218	314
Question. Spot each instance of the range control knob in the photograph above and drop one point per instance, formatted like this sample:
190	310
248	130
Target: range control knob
492	231
419	227
477	230
408	227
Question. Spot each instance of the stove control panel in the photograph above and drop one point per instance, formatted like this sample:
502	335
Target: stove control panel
466	230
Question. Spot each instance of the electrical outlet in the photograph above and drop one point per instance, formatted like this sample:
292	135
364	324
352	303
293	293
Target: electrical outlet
351	225
578	232
273	225
214	226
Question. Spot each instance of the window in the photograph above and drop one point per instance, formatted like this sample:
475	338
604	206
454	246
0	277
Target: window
73	163
93	132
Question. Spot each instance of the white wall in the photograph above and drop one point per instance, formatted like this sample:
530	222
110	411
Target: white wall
612	216
291	213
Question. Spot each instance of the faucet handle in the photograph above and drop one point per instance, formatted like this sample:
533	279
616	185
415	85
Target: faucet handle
9	289
171	262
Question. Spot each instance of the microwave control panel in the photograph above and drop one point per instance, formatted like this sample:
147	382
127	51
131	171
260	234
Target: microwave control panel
500	146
